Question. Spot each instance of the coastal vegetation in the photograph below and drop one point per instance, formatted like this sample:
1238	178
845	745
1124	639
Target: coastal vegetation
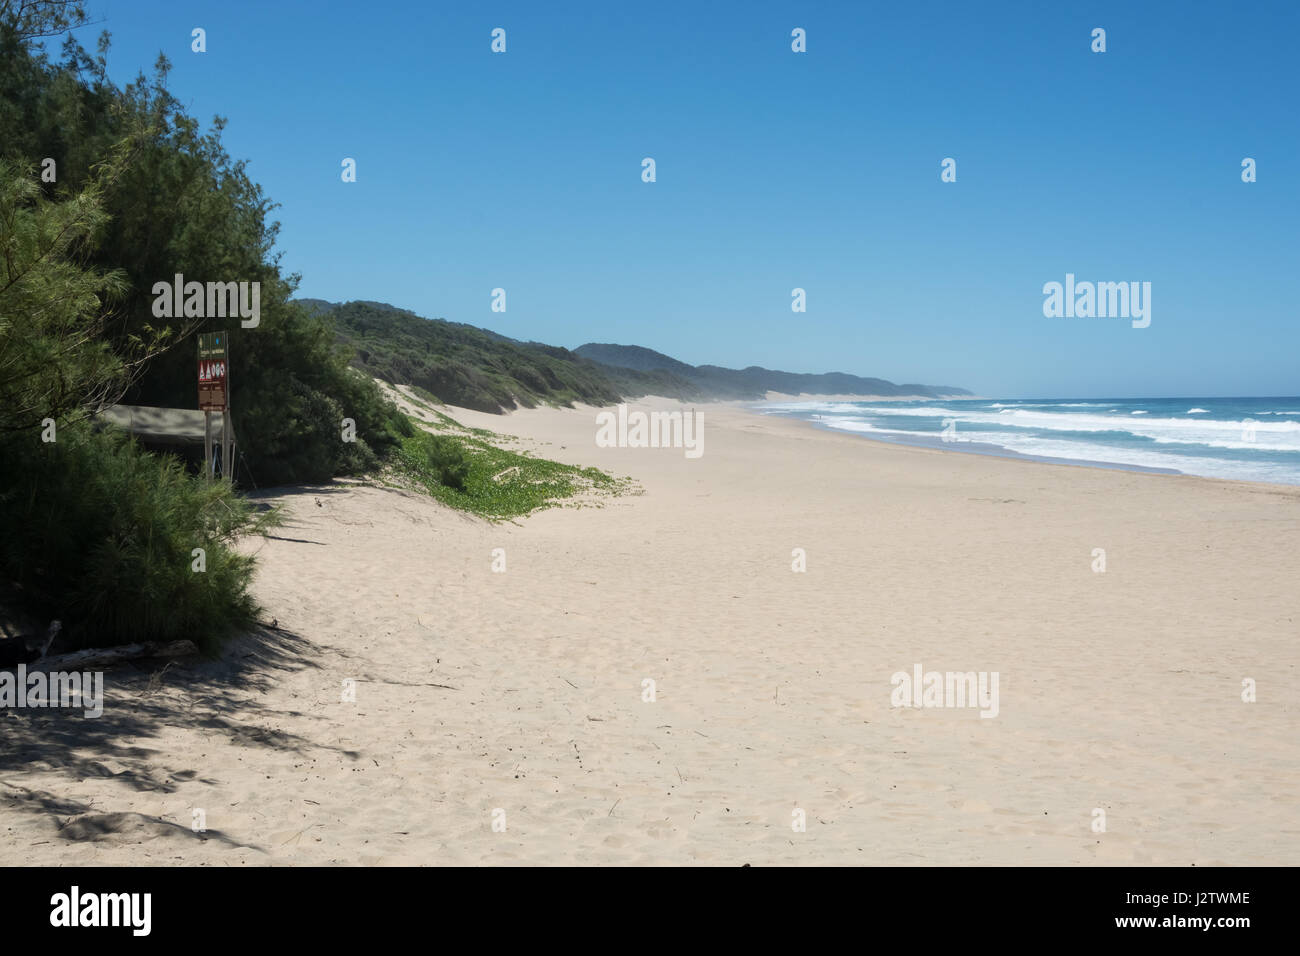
472	469
98	533
106	190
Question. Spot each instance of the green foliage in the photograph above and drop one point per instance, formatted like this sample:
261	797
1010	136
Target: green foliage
31	19
101	534
468	472
96	531
53	356
182	205
436	460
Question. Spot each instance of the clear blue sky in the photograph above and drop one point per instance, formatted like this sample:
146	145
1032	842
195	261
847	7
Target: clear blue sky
776	170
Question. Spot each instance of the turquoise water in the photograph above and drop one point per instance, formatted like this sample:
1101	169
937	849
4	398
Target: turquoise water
1250	439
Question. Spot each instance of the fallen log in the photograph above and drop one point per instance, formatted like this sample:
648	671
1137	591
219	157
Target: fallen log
97	657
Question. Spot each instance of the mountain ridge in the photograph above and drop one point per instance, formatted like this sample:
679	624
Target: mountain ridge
755	381
477	368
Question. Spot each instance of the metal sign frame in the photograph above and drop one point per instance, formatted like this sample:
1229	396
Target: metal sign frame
214	396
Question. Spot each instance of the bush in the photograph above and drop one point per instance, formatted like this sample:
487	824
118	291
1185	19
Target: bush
101	534
171	200
437	458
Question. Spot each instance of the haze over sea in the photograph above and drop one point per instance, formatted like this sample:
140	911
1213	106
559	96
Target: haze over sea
1249	439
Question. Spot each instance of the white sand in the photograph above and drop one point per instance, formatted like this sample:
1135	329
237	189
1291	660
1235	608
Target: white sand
1119	690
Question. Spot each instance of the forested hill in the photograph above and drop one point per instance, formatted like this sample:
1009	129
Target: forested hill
754	382
477	368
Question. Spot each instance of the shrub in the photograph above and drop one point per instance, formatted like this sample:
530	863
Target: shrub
102	534
436	458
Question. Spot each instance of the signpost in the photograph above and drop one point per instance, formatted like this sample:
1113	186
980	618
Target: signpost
214	396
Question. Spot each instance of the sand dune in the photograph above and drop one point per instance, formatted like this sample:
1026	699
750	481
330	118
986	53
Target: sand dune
523	691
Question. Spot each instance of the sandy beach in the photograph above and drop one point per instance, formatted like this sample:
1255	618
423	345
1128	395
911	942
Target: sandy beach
518	696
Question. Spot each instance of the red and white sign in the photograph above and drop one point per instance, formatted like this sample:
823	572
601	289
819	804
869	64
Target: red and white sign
213	372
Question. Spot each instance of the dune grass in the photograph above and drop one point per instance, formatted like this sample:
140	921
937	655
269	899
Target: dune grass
466	469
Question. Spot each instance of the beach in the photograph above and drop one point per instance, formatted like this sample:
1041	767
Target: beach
502	716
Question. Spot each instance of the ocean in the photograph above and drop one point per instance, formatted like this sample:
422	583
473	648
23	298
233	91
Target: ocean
1248	439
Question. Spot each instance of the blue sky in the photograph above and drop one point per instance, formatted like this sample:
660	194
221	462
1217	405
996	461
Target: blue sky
778	170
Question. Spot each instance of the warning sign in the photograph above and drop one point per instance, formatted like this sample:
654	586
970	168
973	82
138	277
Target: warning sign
213	371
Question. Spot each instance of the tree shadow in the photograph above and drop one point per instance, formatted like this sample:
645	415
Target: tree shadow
261	495
220	695
84	826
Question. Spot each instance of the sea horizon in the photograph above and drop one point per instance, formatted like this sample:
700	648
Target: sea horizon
1241	438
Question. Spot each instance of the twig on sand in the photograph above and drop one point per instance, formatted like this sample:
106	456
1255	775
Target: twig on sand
155	679
297	836
399	683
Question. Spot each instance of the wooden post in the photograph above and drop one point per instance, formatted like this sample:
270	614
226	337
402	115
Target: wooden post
227	447
227	432
207	446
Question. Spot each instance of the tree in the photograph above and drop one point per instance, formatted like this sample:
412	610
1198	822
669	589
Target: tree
54	358
183	205
34	19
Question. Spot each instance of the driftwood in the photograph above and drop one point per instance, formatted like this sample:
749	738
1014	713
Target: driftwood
18	650
107	656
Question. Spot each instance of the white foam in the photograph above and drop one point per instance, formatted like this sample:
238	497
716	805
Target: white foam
1069	450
